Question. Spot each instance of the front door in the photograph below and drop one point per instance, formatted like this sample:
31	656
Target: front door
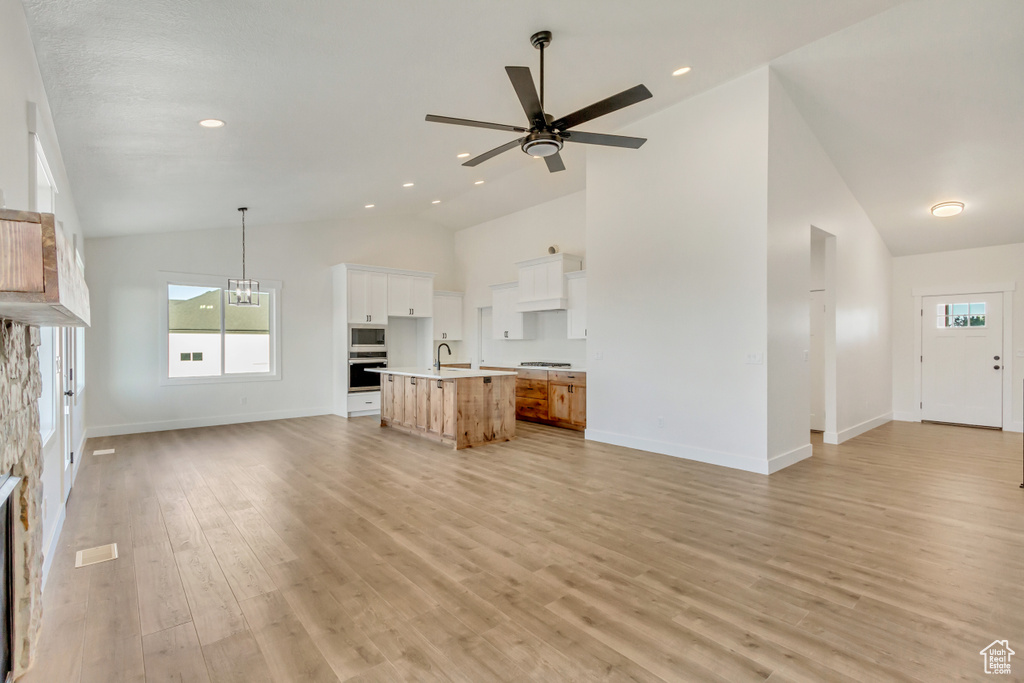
962	359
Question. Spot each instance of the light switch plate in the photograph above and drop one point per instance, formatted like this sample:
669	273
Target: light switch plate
755	358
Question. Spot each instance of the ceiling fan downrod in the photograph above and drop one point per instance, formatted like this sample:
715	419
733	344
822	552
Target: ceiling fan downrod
540	40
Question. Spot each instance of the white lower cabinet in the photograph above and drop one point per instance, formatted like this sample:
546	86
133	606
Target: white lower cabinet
364	400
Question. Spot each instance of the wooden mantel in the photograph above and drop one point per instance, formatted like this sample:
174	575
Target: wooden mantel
41	282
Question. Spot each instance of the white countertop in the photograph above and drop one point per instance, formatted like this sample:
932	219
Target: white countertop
445	373
533	367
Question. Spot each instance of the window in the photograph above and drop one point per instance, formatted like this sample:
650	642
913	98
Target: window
210	340
961	315
47	400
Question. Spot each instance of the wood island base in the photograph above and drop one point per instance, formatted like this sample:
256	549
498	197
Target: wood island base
458	411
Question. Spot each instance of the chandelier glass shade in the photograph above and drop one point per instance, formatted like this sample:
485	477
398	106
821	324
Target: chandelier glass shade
243	291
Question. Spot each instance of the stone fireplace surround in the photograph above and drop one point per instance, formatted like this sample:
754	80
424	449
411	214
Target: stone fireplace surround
21	454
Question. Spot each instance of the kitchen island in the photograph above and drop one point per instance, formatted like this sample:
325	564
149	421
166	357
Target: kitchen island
459	407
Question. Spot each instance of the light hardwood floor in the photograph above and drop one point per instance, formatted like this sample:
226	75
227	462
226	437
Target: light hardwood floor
321	549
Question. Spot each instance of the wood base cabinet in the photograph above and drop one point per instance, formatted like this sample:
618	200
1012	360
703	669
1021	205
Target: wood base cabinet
552	397
461	412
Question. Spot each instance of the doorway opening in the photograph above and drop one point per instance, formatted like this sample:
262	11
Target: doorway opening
821	350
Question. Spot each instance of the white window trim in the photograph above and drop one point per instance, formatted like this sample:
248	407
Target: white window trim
48	437
41	166
273	287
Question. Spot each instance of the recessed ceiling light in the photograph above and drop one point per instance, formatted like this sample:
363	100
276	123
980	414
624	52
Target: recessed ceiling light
407	185
680	71
211	123
462	156
947	209
479	182
436	201
369	206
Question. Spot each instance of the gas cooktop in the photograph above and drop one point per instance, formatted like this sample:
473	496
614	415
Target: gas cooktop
543	364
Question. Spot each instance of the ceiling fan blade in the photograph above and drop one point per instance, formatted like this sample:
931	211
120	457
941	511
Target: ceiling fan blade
554	163
637	93
522	81
602	139
494	152
433	118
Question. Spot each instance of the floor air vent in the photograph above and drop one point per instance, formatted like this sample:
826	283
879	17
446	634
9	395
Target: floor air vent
96	555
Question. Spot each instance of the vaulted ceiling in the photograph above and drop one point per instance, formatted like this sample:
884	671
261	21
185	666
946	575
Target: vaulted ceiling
324	102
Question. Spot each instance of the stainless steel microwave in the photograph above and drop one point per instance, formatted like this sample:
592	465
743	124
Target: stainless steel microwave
367	338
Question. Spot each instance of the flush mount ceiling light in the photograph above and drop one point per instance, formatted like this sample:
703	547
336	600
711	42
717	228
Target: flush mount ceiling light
479	182
211	123
947	209
243	292
681	71
463	155
436	201
408	184
369	206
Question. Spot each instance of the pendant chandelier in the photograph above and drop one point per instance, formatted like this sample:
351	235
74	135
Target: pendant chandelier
243	292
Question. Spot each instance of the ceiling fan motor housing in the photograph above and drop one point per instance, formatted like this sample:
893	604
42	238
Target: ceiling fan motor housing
541	143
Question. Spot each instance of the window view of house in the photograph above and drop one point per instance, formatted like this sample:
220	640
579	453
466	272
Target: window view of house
209	338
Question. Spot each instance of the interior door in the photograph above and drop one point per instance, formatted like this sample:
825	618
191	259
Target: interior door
962	359
67	388
816	357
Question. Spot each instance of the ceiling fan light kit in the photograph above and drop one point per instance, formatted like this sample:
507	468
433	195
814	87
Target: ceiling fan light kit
546	135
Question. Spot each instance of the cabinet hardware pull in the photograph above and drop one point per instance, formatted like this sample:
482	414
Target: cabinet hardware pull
487	380
438	384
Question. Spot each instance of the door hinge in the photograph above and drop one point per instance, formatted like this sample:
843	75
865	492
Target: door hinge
922	359
72	457
922	312
921	405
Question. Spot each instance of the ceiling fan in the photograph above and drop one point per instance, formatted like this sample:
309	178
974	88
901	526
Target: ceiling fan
546	134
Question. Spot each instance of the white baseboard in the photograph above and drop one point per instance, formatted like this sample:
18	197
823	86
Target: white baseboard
857	430
777	462
735	461
189	423
1015	427
906	416
51	545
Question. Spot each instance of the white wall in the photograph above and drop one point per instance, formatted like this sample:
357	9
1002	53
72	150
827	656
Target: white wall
123	355
21	83
676	268
956	270
804	190
486	255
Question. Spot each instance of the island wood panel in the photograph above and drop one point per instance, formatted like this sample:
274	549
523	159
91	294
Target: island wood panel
463	412
21	257
422	421
387	397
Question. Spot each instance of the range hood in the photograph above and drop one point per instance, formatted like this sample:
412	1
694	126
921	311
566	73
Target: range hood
542	282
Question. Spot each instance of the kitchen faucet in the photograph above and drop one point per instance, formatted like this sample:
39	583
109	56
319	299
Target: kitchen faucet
437	363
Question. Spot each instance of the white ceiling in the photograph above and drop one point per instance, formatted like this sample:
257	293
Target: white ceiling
324	101
922	104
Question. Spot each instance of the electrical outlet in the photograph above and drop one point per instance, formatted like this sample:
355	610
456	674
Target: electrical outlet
661	422
245	400
755	358
807	355
1020	353
598	355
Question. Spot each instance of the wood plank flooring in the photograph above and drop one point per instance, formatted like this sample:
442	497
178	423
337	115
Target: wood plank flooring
324	549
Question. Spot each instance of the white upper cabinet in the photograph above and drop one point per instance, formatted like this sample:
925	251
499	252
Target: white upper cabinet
410	296
447	316
367	297
542	282
506	321
576	289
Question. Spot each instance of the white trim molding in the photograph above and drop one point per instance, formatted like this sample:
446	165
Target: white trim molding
782	460
51	546
189	423
844	435
735	461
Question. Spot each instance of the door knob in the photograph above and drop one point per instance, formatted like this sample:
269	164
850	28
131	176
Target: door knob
995	357
996	367
69	393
